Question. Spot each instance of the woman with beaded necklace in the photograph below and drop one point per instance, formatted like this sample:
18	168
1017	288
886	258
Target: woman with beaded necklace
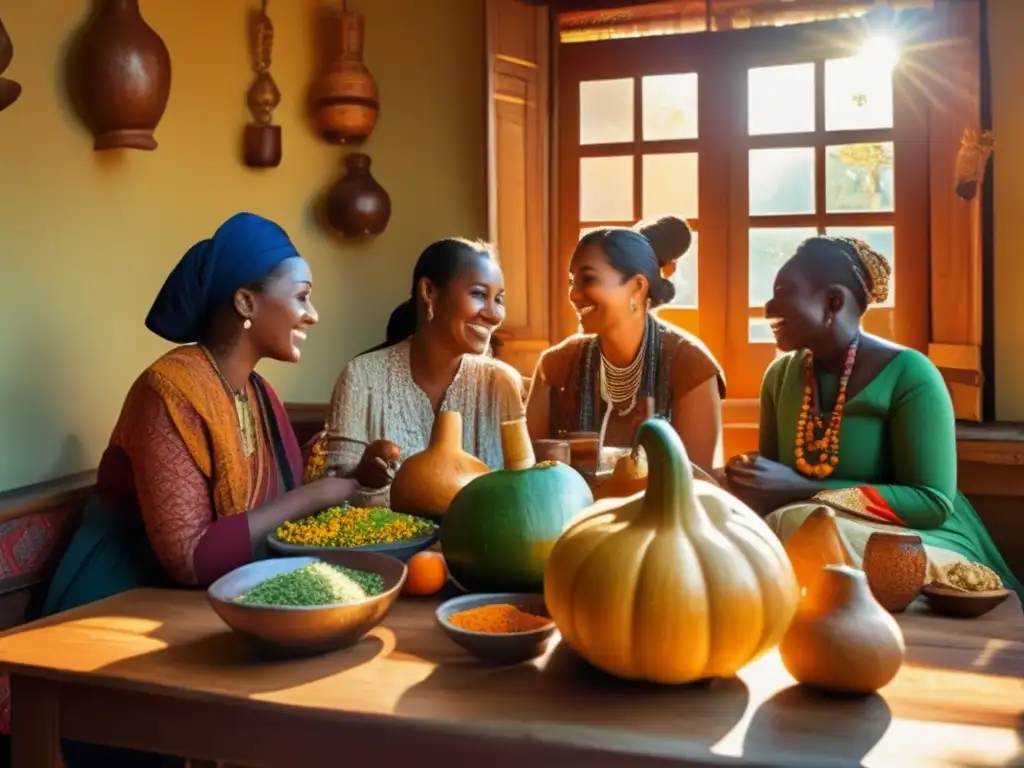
601	379
853	422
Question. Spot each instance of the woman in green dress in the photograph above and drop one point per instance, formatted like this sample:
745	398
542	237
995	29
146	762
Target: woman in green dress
854	422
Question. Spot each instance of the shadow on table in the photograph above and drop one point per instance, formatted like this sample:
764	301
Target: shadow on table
228	661
797	720
564	690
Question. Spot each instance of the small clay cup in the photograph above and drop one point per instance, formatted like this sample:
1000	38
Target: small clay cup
552	450
896	566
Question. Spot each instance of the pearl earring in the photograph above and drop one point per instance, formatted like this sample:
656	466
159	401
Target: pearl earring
247	324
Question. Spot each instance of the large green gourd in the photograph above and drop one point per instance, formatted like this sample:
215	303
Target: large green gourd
501	527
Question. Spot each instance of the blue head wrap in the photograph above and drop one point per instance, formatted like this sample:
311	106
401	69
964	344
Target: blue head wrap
244	249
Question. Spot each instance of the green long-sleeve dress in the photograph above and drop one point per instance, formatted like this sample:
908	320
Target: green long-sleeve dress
897	457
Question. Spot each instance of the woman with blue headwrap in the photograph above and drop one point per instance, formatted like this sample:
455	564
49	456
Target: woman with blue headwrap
203	462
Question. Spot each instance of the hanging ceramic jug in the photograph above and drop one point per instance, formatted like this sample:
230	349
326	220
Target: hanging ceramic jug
9	90
344	98
357	205
125	77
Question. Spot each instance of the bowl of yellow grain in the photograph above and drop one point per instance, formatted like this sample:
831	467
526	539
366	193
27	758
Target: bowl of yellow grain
502	627
363	529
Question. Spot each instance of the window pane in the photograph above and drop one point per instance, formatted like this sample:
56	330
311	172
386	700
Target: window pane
670	184
781	181
769	248
606	188
858	177
780	99
606	111
685	277
759	331
858	94
883	240
670	107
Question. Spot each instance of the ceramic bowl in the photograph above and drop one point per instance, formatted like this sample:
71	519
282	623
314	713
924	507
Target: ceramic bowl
305	630
962	605
400	550
509	648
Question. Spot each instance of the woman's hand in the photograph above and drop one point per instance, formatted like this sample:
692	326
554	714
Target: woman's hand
332	491
377	467
766	485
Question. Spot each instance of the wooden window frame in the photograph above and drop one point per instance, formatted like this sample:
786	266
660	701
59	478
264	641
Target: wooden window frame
924	135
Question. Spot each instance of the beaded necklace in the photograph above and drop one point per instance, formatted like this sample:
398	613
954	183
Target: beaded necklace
810	424
243	409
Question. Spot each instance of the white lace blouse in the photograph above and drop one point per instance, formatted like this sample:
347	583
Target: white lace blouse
376	398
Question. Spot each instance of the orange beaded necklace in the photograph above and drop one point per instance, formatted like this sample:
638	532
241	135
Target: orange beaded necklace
809	425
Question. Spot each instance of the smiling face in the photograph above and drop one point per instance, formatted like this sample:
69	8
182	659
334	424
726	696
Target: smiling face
598	292
281	312
798	311
471	307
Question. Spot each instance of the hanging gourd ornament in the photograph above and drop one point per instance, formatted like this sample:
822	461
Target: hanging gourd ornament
500	528
679	583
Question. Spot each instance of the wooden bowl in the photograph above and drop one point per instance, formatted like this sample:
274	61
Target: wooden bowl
962	605
510	648
305	630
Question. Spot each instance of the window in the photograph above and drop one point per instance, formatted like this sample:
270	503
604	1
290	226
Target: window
760	138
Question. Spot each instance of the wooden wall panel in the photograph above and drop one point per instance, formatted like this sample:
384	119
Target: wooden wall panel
518	179
956	272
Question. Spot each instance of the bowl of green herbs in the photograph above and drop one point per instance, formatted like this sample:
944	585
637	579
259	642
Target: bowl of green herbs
298	606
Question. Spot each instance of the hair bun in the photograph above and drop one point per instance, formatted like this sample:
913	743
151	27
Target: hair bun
666	292
670	237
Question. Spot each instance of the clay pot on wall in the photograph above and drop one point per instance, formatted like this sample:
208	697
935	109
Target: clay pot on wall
344	97
357	205
9	90
124	77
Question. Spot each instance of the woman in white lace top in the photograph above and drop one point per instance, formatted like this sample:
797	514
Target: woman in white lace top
384	401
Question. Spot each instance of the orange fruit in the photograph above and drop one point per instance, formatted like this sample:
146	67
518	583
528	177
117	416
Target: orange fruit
427	574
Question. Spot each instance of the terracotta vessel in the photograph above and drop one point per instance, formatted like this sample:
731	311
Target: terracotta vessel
427	481
896	567
261	142
841	639
124	76
357	205
344	98
9	90
815	544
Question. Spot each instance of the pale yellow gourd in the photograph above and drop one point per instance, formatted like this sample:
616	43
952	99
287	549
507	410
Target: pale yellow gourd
678	583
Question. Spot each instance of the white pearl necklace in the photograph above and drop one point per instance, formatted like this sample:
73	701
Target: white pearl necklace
621	385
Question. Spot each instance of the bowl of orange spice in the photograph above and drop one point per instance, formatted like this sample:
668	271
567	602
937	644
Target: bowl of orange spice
504	628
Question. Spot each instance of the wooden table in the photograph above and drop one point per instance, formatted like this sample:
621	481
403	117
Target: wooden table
157	670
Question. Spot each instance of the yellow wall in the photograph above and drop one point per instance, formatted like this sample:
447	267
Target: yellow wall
86	238
1006	25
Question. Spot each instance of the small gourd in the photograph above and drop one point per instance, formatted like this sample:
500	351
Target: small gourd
815	544
500	528
426	482
842	640
628	477
675	584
